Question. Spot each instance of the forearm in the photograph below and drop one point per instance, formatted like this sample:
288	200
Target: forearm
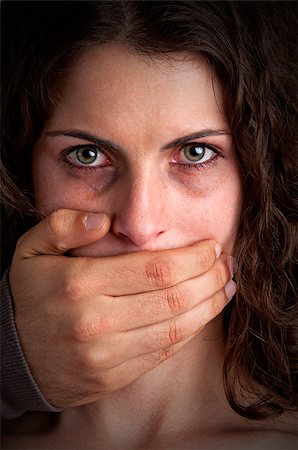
19	392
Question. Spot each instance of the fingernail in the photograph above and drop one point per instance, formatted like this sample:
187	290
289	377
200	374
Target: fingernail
94	221
231	265
217	249
230	289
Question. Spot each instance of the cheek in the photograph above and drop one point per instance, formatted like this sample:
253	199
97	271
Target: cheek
54	189
212	214
56	186
57	194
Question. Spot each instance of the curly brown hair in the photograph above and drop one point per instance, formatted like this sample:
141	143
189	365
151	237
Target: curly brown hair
251	48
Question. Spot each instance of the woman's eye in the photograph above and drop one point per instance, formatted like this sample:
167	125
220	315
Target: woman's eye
195	153
87	156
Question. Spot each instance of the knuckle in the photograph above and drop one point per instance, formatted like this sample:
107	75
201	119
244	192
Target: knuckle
24	244
88	363
215	306
106	384
176	332
176	300
155	358
166	335
21	241
84	330
73	288
58	224
105	358
84	327
167	353
218	278
204	258
160	272
80	333
87	360
151	358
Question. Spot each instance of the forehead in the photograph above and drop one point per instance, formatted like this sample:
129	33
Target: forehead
111	84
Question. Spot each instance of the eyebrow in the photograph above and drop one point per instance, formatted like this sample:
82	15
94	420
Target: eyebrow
112	146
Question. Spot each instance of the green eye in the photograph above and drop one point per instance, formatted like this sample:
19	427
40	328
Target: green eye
86	155
194	153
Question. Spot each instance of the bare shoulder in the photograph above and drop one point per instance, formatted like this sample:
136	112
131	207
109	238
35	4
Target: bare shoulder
264	440
279	441
274	435
244	434
280	433
287	423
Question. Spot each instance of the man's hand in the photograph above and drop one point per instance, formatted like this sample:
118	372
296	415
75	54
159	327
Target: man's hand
90	326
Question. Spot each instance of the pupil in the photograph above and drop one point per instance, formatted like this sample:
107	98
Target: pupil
195	153
86	155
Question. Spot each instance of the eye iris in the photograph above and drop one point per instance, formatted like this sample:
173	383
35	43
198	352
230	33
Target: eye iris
194	153
86	155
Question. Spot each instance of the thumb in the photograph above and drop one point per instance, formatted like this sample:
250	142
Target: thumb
62	230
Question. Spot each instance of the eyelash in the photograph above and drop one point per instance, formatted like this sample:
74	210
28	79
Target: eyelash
182	166
86	168
200	166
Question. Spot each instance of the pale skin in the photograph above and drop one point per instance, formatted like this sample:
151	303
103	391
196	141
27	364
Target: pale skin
143	330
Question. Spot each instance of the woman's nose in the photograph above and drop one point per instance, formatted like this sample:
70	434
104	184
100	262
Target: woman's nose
141	217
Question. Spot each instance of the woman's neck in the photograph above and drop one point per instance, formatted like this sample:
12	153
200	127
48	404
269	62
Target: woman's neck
180	394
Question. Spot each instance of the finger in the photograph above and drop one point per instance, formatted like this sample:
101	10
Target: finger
177	329
120	376
135	311
142	341
149	271
62	230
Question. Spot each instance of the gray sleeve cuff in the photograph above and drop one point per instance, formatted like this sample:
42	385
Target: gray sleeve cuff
19	391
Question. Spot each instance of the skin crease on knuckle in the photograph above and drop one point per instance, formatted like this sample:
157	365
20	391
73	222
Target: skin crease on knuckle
217	303
85	330
58	222
73	289
177	299
157	200
204	258
217	278
160	272
167	334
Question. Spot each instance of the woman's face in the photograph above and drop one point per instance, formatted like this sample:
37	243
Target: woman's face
146	141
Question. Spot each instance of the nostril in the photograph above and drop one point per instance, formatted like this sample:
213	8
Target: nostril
122	236
138	226
140	239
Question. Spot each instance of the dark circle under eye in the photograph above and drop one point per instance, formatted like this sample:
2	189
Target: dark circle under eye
194	152
86	155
